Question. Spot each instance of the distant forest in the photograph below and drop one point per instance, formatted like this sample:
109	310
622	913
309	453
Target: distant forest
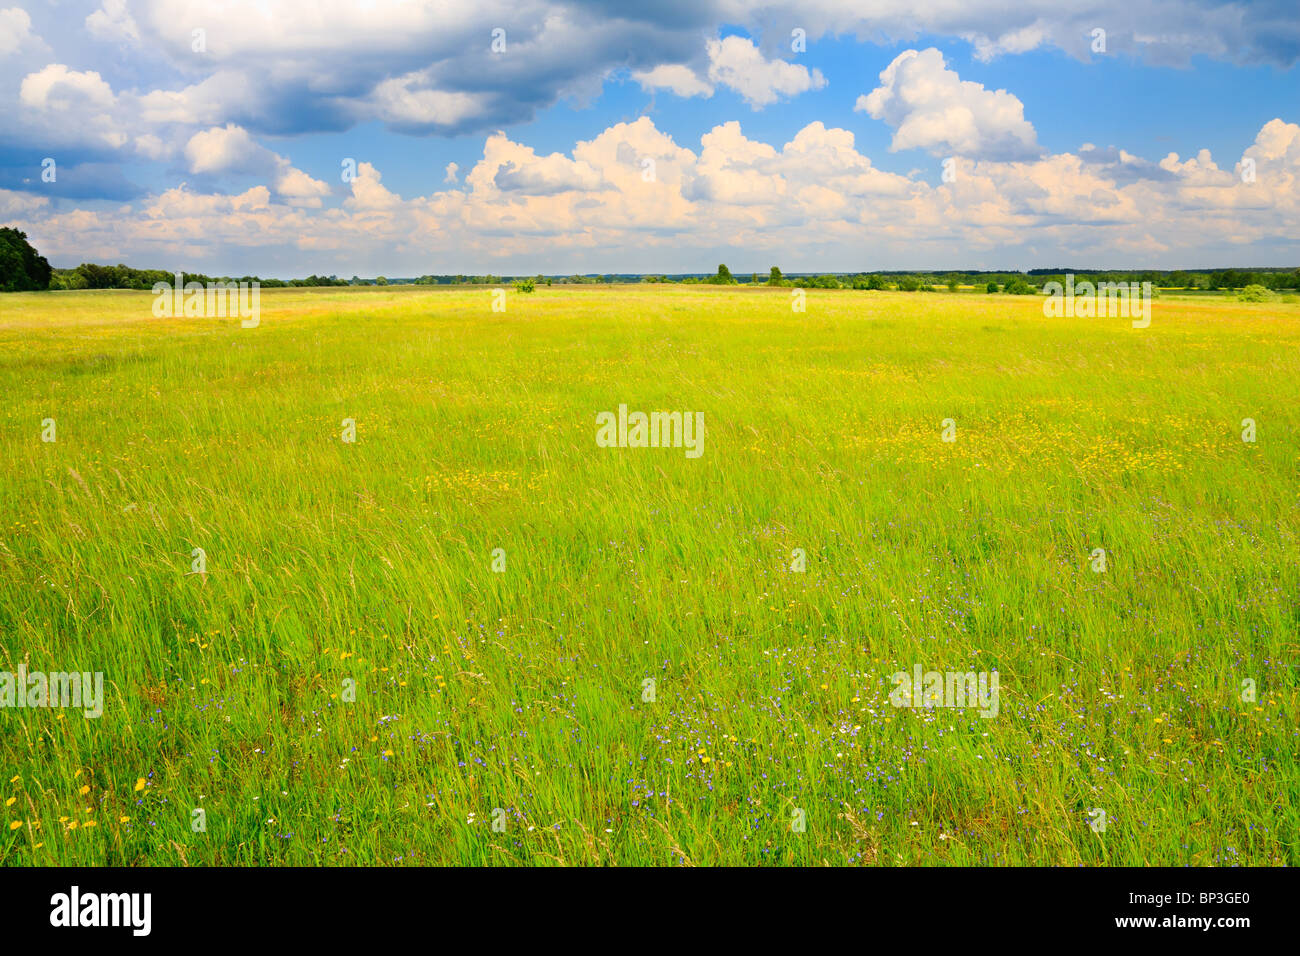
90	276
23	269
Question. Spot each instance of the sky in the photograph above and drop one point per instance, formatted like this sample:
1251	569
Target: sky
401	138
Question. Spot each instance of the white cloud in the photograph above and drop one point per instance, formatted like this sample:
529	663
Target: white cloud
369	195
113	22
82	104
16	205
15	30
932	108
408	101
58	88
1020	40
227	149
296	188
452	170
674	77
509	167
736	62
151	147
230	149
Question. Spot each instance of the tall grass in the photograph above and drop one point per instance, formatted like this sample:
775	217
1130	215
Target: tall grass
329	562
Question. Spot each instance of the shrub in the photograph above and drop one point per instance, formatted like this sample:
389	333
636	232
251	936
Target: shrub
991	288
1254	293
525	285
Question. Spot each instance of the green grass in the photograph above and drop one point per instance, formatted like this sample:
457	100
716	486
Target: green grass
522	690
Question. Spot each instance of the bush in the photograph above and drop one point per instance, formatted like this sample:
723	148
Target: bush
991	288
1018	286
525	285
1254	293
908	284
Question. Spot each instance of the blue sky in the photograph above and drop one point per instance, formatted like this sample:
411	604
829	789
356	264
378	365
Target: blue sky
1174	146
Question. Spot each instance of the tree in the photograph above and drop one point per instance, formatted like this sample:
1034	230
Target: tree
380	280
774	277
952	283
22	268
991	288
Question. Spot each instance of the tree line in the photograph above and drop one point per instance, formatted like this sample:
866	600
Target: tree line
23	269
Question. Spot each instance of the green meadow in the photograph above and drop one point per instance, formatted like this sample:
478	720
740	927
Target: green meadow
473	636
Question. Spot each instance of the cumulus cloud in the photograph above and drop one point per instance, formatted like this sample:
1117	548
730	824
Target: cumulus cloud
59	89
227	149
296	188
932	108
677	78
15	30
412	103
79	104
230	149
737	63
16	205
525	172
816	199
300	66
113	22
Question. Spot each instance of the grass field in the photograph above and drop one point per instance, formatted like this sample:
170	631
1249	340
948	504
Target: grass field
522	690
